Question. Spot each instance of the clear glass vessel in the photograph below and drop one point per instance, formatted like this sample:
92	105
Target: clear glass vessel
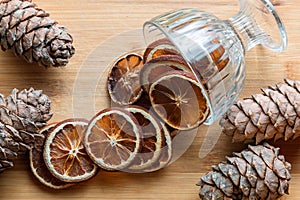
215	49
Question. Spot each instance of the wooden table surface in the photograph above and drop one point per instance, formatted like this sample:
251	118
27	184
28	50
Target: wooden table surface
92	22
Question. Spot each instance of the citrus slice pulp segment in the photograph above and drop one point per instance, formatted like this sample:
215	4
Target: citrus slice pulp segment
178	99
113	138
157	66
65	155
124	80
159	48
151	139
39	168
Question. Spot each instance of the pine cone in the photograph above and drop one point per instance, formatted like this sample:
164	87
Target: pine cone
274	114
31	34
22	114
255	173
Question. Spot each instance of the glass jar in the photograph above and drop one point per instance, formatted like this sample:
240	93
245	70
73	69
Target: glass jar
214	49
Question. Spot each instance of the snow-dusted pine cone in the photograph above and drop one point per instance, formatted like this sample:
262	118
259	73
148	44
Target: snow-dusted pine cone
22	114
258	172
31	34
274	114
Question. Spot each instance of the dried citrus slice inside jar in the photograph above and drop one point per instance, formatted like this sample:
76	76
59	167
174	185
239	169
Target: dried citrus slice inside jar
124	80
38	166
158	48
113	138
64	153
178	99
151	140
157	66
218	54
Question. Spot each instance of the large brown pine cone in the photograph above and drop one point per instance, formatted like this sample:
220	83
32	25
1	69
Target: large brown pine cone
258	172
22	114
31	34
274	114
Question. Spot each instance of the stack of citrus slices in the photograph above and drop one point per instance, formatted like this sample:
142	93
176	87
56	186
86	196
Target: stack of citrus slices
128	138
158	96
162	82
62	160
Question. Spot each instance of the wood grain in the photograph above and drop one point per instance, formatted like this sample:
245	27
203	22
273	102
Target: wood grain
92	22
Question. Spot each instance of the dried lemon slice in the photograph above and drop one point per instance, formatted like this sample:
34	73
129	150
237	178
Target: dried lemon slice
124	79
159	48
151	140
113	138
166	150
38	166
178	99
64	153
157	66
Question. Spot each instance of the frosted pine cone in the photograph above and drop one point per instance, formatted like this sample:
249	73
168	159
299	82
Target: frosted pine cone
22	114
31	34
258	172
274	114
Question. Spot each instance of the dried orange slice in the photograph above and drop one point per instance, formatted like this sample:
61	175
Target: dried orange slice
157	66
113	138
151	140
158	48
124	81
178	99
218	54
64	153
38	166
165	152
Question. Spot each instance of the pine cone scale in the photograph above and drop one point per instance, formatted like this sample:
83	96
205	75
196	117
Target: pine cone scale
271	181
261	189
270	132
259	166
15	19
223	183
4	116
279	169
251	130
283	104
292	95
5	164
268	157
245	186
239	163
284	187
26	43
13	133
234	175
11	6
251	176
